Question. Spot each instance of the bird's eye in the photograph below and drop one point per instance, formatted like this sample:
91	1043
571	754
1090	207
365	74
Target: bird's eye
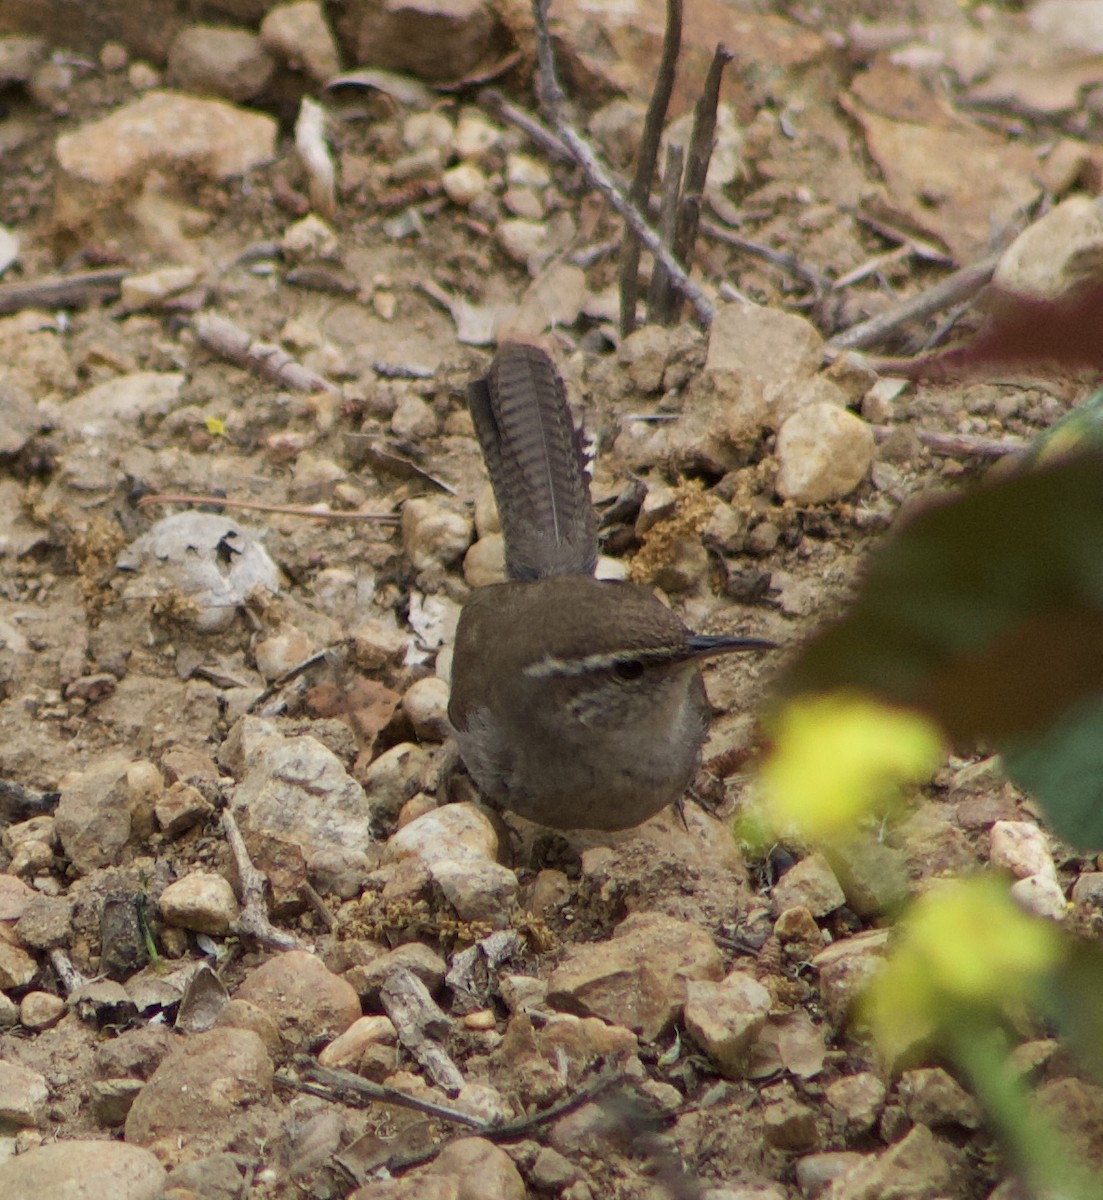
628	669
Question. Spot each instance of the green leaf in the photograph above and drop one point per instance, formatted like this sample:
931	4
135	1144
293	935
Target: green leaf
1072	996
1063	766
985	611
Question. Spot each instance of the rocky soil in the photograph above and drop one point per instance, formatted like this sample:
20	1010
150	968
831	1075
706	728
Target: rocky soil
232	860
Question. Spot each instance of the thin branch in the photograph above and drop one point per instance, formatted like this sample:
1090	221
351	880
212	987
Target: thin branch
970	445
954	288
289	676
698	157
659	291
776	258
343	1086
640	193
62	291
552	100
872	266
493	100
253	920
290	510
225	338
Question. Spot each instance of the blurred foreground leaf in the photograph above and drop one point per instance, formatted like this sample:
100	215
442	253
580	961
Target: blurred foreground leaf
986	613
838	757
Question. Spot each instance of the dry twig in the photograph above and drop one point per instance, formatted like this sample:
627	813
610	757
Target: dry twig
698	157
290	510
552	100
776	258
419	1021
221	336
253	920
640	192
954	288
61	291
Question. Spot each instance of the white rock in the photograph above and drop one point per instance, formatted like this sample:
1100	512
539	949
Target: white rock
522	240
414	418
474	135
9	248
40	1010
393	778
163	130
137	400
1056	252
426	705
726	164
202	901
1021	848
1041	894
725	1018
433	534
524	171
450	832
90	1170
299	35
348	1048
823	453
485	561
464	184
775	348
310	238
280	651
430	130
296	789
478	889
23	1095
206	557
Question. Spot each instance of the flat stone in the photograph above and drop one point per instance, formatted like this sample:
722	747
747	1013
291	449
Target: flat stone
93	817
106	160
213	60
307	1001
23	1095
724	1018
638	978
88	1170
207	1078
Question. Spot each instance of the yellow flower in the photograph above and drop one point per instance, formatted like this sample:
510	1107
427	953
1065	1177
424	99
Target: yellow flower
839	757
965	948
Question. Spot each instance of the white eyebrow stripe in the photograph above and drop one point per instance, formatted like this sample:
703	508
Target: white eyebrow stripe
549	666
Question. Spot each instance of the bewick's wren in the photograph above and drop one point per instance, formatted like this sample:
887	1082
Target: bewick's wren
576	703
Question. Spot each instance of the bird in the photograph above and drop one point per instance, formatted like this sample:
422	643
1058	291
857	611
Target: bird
576	703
